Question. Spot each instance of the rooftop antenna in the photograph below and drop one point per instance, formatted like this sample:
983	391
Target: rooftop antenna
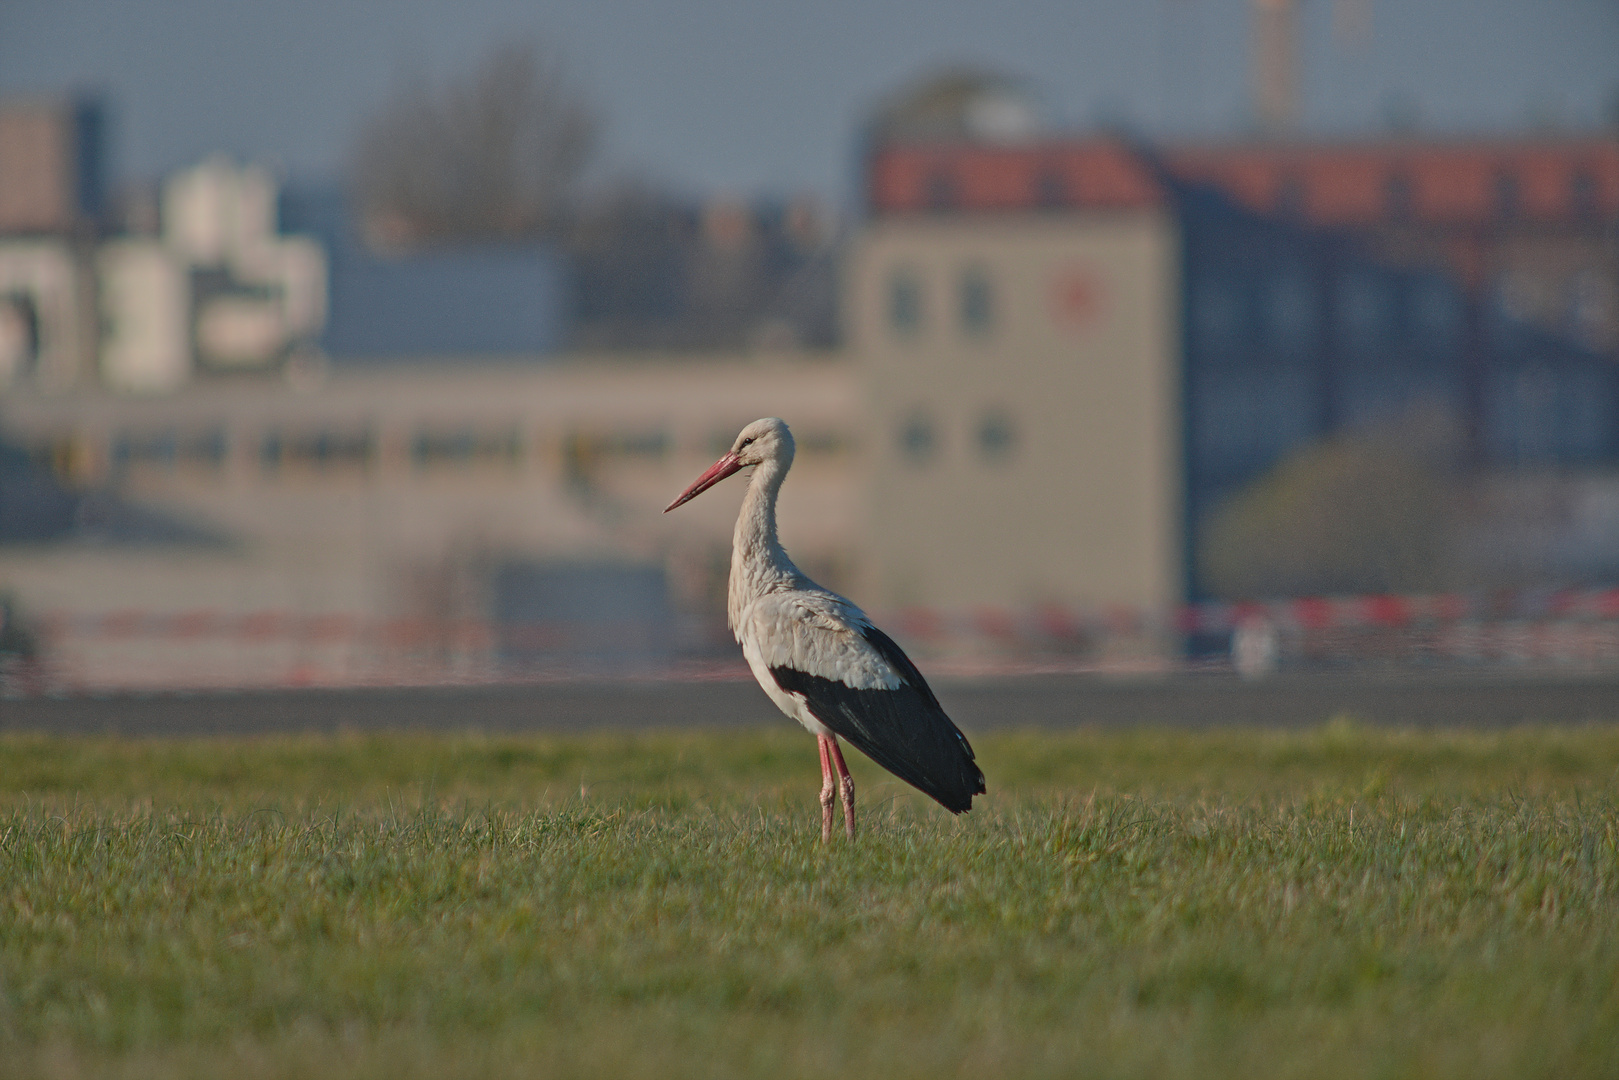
1276	63
1276	84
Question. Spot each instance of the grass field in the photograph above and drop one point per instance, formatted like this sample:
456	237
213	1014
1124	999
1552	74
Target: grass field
1340	902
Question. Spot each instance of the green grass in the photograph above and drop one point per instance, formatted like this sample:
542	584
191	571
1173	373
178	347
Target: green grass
1341	902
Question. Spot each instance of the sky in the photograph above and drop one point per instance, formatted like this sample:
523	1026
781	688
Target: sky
747	98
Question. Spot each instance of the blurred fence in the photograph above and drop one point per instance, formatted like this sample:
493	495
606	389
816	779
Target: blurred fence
1553	629
156	651
150	651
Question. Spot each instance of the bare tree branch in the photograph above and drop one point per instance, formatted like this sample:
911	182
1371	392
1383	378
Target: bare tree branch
494	156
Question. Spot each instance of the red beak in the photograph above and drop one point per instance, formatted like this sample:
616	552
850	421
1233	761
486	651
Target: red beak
718	471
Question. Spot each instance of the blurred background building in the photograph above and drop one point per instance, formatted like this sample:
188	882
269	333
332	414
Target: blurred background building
1154	330
1063	397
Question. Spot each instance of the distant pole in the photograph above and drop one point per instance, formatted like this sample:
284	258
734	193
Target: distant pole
1276	90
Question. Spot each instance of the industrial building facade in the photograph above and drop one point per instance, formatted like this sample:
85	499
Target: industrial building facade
1022	377
1059	360
424	524
1266	299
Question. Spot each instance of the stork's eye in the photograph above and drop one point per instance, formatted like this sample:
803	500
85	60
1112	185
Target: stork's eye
745	442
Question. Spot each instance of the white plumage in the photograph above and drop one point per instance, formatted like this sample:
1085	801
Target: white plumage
820	659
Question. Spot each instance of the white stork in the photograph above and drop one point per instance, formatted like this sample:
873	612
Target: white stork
818	656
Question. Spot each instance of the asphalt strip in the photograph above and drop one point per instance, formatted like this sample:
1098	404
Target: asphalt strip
1054	701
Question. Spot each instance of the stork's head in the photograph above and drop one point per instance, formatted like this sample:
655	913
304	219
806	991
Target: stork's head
759	442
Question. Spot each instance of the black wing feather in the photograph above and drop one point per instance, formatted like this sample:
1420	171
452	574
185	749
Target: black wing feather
904	730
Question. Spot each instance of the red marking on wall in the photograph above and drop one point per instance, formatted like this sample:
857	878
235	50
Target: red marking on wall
1078	297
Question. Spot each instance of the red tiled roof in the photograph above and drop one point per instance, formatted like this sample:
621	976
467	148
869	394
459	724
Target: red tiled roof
1344	184
1096	173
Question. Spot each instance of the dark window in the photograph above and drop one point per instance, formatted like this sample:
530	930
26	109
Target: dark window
1517	295
916	438
1244	418
1583	197
1398	198
1436	313
996	436
1508	196
463	446
1365	311
1586	299
939	191
1051	190
207	449
321	450
1292	312
19	335
1217	315
821	442
904	302
330	448
1542	411
1290	196
156	449
977	301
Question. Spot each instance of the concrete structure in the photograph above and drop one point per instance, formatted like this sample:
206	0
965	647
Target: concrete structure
1060	358
219	289
146	304
47	304
485	300
397	507
52	203
254	299
1268	296
52	166
1526	226
1025	442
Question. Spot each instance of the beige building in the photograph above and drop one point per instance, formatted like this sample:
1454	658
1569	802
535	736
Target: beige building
384	506
1060	358
1023	378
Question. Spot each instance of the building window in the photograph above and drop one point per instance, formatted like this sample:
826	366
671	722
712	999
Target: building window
1583	196
1243	419
1051	190
318	451
1290	197
939	190
977	302
1365	311
1508	196
996	437
904	302
1590	311
822	443
1291	312
1398	198
464	447
917	440
19	336
152	450
168	449
1436	313
1518	295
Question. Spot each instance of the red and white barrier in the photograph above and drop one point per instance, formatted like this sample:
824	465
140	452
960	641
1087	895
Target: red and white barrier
196	649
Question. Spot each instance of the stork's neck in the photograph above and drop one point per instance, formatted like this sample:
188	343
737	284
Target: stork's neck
758	562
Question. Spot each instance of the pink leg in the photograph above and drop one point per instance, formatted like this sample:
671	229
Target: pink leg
846	782
828	748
